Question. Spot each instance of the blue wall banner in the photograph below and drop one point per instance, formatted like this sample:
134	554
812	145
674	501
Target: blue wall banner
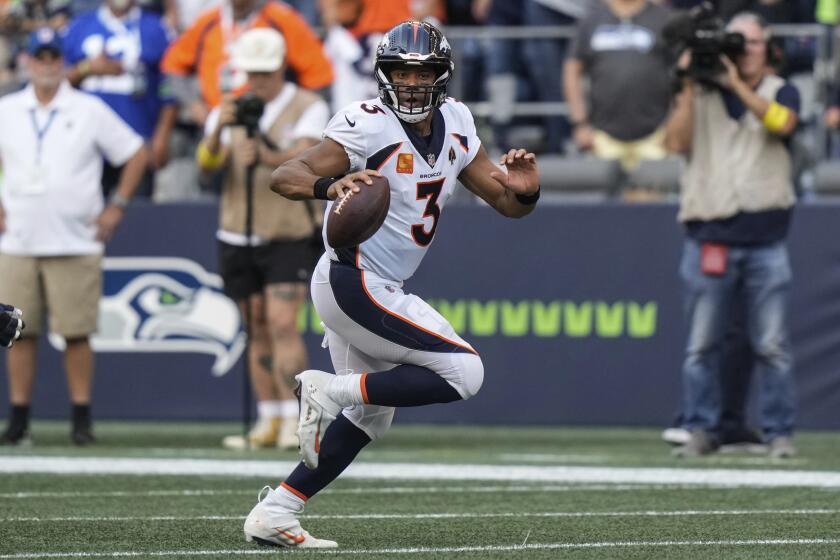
575	310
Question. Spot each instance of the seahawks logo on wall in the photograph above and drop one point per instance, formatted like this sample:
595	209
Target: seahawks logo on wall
152	304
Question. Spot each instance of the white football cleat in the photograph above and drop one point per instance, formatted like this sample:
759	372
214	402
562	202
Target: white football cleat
317	412
280	530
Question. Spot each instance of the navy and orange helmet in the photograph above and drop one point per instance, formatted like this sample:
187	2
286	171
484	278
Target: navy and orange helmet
413	43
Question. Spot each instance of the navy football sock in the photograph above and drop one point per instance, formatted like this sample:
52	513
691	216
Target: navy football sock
408	385
341	443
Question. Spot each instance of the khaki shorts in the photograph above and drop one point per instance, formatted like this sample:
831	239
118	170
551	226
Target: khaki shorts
629	154
67	288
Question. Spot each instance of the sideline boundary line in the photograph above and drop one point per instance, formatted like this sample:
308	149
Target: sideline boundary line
756	478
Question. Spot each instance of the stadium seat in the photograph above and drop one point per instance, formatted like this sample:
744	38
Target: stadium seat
827	178
658	175
586	177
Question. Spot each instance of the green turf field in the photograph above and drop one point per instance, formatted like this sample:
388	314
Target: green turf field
422	493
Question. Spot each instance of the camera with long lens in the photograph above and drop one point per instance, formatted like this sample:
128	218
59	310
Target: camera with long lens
702	31
249	110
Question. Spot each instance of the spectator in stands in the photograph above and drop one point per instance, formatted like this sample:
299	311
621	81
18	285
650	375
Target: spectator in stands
354	28
115	54
18	18
54	221
309	9
272	276
517	68
25	16
187	11
202	49
550	53
736	204
618	47
470	61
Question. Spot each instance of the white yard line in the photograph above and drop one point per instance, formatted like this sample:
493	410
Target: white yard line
429	471
428	550
380	516
517	488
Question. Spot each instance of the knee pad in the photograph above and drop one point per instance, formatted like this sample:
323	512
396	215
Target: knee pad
472	375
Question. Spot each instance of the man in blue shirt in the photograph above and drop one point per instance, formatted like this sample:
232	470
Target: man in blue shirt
114	52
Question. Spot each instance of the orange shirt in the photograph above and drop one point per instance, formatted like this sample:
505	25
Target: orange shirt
201	49
379	16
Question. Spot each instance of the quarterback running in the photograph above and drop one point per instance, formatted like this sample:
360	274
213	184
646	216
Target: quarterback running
389	349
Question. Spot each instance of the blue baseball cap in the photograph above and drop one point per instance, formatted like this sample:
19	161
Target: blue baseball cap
44	38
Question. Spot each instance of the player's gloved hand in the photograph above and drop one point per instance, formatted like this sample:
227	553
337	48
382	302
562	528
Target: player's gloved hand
11	324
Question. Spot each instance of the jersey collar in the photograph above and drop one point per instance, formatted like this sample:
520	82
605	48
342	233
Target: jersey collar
430	148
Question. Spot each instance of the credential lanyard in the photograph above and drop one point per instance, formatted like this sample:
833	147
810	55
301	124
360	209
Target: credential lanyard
41	132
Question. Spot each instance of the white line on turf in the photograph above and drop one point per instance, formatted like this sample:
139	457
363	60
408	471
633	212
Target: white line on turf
425	550
365	516
519	488
427	471
553	458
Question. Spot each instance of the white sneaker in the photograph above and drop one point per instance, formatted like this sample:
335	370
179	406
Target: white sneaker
264	434
280	530
782	447
317	411
287	438
676	436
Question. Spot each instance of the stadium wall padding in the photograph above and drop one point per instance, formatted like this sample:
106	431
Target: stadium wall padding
575	310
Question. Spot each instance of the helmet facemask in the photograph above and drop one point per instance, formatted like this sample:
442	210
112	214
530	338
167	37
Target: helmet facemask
432	95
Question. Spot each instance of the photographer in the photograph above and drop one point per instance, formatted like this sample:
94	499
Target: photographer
736	205
261	130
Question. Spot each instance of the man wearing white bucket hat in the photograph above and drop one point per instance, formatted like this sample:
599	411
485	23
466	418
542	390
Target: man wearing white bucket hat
265	127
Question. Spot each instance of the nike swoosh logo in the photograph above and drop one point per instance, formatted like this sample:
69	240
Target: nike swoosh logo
351	123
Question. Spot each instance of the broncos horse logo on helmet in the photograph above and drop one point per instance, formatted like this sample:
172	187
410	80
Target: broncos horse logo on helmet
420	44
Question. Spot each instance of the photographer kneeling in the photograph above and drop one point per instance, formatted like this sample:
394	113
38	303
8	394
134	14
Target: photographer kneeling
736	205
260	130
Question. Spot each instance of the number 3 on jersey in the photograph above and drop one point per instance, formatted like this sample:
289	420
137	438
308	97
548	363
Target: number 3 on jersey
431	192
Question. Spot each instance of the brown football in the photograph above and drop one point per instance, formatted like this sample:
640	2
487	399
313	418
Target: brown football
356	216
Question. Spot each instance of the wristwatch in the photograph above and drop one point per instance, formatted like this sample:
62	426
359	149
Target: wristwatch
119	201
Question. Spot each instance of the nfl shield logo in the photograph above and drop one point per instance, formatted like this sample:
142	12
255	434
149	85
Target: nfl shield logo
431	158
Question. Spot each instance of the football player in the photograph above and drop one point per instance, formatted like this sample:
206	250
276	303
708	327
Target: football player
389	349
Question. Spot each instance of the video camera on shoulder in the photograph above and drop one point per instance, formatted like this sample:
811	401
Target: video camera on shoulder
704	32
249	110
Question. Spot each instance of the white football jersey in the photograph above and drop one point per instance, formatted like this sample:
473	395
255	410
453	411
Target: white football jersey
423	176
